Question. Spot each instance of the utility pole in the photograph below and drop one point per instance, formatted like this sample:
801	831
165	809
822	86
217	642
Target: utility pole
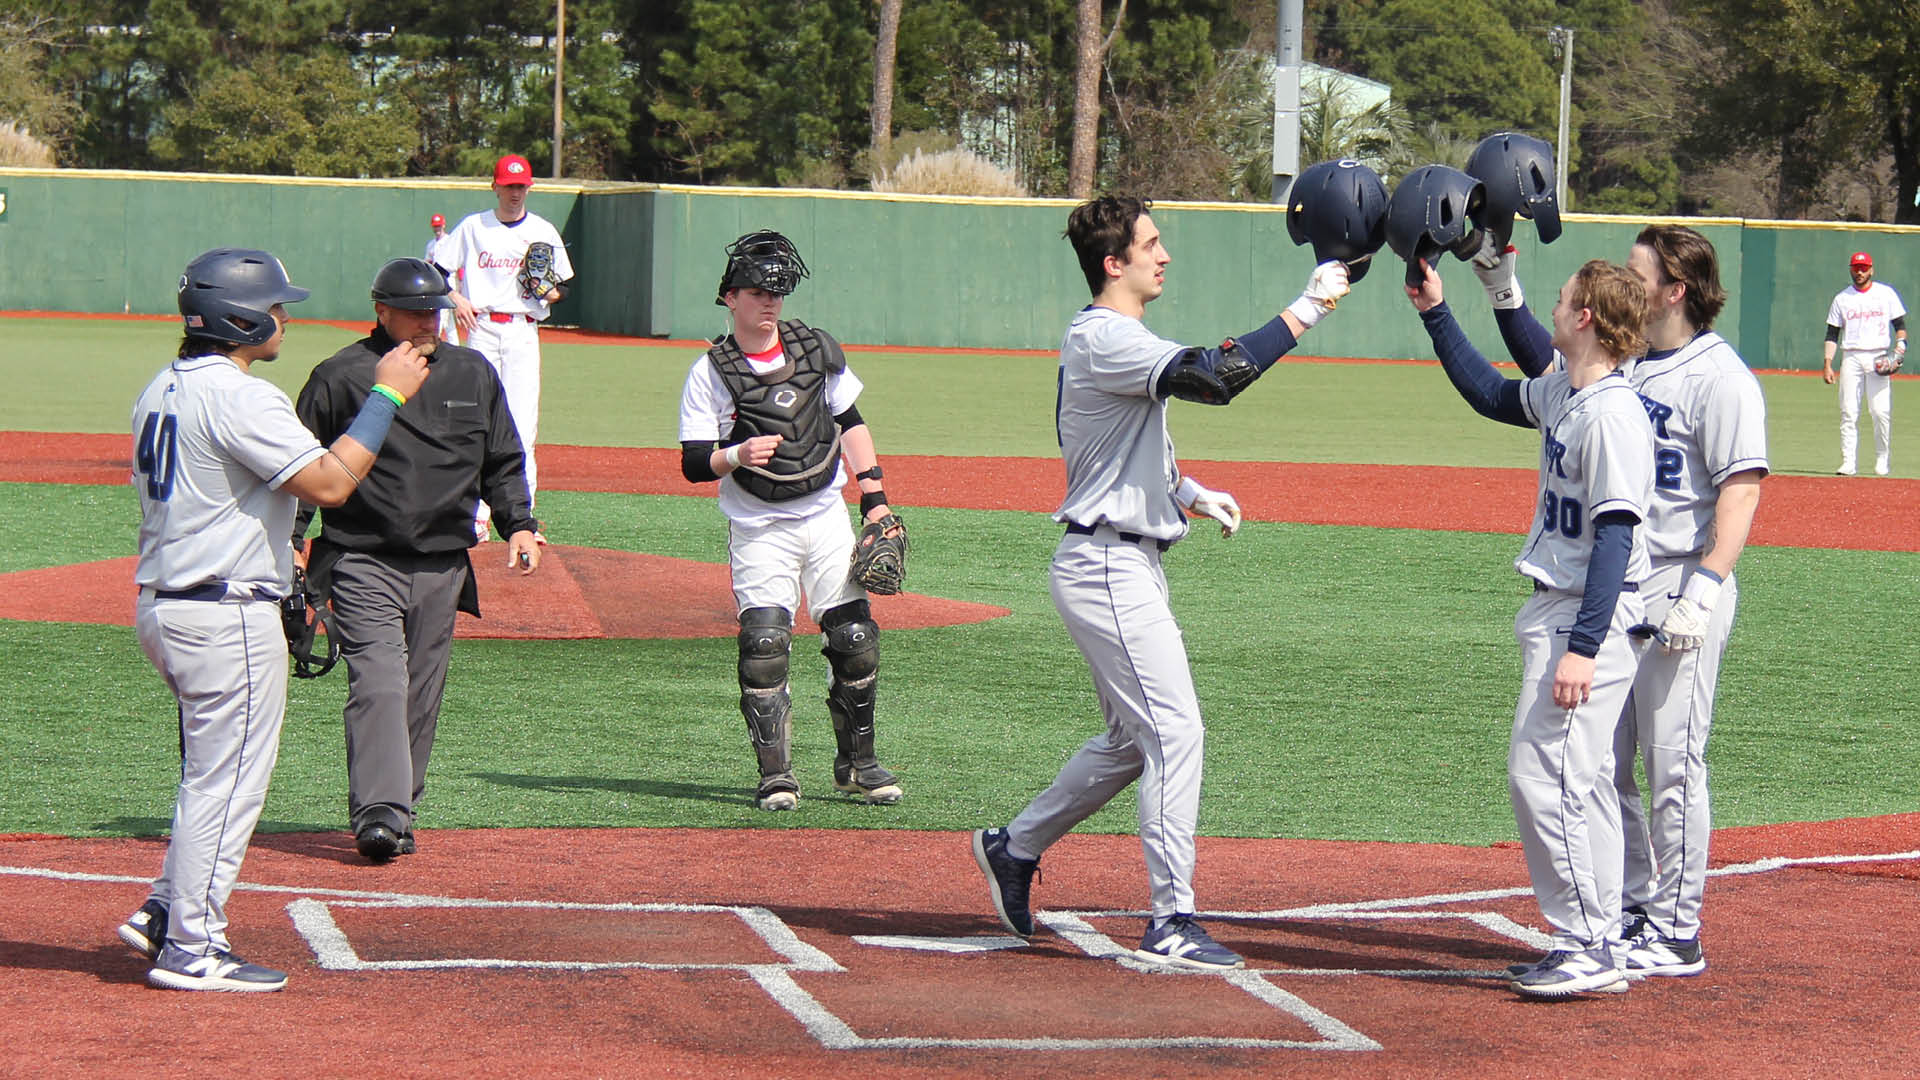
559	65
1286	98
1561	37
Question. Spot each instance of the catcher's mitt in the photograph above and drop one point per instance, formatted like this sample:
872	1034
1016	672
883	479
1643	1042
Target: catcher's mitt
880	556
1889	363
538	275
302	614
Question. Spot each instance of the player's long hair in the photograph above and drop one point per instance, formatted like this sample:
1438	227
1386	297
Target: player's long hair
1688	258
1102	227
1618	300
191	346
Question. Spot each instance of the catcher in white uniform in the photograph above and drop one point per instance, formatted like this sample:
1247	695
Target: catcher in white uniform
769	411
219	462
1126	503
1710	433
1580	631
513	268
1867	324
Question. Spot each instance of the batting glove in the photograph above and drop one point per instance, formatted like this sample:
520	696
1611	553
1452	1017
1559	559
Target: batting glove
1217	505
1325	287
1495	269
1686	622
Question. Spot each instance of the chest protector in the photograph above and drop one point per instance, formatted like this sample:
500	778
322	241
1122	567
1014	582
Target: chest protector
790	401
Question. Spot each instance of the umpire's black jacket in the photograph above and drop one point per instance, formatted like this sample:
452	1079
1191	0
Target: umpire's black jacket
450	444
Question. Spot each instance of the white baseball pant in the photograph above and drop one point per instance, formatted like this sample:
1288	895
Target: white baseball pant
772	563
226	663
513	348
1857	379
1112	595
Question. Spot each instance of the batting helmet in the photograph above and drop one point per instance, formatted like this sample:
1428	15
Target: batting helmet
1518	172
1340	207
411	284
1435	209
762	260
228	294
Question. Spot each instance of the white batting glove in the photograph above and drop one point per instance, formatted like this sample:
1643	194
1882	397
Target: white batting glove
1686	623
1495	269
1217	505
1325	287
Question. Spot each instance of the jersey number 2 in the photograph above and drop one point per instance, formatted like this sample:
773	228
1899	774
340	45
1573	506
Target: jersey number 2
154	455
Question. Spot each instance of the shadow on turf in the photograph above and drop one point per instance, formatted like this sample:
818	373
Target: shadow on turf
664	789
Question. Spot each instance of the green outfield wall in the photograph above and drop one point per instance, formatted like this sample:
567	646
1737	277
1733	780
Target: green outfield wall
886	269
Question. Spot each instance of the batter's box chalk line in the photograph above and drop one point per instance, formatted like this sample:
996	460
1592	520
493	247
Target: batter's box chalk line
312	915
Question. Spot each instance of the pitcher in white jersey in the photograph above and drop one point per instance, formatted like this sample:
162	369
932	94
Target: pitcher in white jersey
219	459
1580	632
1126	503
1867	326
491	309
1710	435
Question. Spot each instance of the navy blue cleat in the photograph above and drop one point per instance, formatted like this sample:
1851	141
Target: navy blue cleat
1008	879
1178	941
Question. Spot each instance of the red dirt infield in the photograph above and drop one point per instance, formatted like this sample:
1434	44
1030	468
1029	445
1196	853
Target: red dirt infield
658	953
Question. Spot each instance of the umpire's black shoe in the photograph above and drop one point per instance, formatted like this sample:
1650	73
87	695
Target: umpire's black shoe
1008	879
377	841
407	846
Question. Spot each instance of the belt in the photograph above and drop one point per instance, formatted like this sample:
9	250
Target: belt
509	316
212	592
1541	586
1129	537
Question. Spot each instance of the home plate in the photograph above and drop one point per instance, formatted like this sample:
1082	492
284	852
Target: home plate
940	944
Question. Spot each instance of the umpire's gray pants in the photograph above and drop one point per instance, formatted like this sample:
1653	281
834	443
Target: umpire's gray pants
395	614
1112	595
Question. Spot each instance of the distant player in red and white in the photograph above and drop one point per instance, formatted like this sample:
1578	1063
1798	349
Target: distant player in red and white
1867	325
500	321
438	223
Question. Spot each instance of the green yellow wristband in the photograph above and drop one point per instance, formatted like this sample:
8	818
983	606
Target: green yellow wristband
390	393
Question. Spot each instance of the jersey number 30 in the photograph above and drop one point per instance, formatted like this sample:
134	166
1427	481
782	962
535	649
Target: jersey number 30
154	455
1562	515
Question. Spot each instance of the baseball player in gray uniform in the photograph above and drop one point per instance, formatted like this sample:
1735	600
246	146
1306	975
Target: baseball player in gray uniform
1710	434
219	461
1126	503
1580	632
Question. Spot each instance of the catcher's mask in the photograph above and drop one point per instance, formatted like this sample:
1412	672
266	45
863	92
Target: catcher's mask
762	260
1520	179
302	615
411	285
1435	209
228	294
1340	207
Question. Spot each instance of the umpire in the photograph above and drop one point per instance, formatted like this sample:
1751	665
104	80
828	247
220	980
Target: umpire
394	556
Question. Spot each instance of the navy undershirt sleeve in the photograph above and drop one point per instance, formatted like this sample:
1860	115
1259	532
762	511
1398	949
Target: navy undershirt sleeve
1491	394
1606	572
1269	343
1527	341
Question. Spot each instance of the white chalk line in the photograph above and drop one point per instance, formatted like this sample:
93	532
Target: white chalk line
313	919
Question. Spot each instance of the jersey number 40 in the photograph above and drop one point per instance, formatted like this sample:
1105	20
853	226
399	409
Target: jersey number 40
154	454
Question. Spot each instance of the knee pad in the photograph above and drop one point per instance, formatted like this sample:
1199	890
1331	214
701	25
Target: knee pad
853	643
766	639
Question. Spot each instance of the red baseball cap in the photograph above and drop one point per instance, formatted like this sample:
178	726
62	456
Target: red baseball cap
513	169
1861	258
436	221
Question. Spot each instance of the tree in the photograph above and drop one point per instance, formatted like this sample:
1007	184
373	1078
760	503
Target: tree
30	97
1460	63
299	117
1090	52
885	49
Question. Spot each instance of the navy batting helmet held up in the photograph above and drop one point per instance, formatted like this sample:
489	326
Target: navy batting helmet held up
1520	178
1435	209
762	260
412	285
1340	207
228	294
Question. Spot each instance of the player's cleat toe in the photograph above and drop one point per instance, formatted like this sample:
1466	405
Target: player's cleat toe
377	841
1651	954
1565	972
871	782
175	969
145	931
1009	879
1844	470
1178	941
778	800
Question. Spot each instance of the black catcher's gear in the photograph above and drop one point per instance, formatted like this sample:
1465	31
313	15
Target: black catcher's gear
303	614
1435	209
412	285
766	640
853	652
1520	179
761	260
1340	207
790	402
228	294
